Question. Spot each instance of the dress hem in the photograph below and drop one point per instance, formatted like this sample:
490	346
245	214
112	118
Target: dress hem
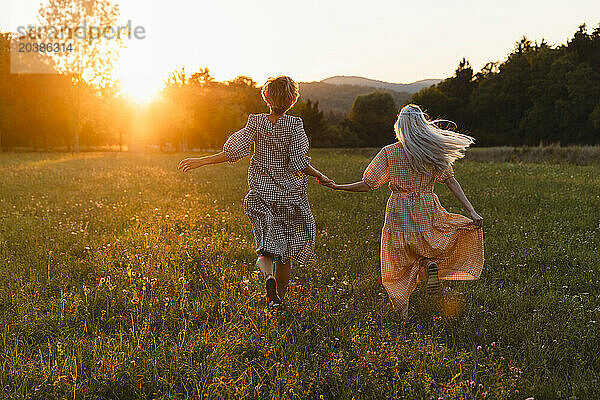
456	275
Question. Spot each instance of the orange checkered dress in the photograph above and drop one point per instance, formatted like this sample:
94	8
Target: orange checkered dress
417	226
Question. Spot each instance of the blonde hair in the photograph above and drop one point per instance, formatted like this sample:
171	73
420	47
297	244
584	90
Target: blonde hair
427	144
280	93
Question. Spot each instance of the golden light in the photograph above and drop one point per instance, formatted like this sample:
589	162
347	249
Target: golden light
452	305
139	88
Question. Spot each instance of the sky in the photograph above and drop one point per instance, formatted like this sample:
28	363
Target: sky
394	41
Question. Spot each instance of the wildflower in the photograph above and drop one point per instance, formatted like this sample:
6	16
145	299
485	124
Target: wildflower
478	347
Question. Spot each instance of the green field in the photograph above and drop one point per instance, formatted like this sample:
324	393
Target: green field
123	278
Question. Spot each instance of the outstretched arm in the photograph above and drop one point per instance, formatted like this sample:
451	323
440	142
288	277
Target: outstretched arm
192	163
321	177
236	147
457	191
359	186
376	174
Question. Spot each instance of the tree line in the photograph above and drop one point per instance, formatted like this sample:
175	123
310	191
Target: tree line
539	94
59	111
336	100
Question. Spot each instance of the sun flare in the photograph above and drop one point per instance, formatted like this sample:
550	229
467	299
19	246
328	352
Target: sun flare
139	88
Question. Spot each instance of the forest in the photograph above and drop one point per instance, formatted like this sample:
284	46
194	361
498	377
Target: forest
336	99
539	94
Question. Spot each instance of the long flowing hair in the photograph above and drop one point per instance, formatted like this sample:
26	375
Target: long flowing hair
425	143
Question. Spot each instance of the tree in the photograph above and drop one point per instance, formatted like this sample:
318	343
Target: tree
595	120
539	94
372	117
450	98
4	82
583	88
314	121
92	59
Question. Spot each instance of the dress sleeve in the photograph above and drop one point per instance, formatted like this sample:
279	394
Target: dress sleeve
238	145
446	174
377	173
299	147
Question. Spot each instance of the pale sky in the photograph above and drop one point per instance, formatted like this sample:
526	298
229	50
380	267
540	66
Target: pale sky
394	41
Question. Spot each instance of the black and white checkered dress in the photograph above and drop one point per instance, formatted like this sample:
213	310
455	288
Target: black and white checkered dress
276	204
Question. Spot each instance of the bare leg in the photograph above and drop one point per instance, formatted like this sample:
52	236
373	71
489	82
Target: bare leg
282	275
404	313
265	265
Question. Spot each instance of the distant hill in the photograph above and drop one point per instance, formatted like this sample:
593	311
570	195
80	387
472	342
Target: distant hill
336	94
398	87
339	98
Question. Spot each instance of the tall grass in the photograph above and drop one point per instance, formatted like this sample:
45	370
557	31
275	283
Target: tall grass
122	278
554	153
577	155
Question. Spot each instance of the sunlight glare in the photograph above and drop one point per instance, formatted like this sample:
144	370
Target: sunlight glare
138	87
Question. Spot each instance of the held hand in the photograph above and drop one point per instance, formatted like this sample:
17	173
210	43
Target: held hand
477	219
324	180
330	184
189	164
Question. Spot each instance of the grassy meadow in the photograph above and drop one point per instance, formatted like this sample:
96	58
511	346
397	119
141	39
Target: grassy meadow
121	277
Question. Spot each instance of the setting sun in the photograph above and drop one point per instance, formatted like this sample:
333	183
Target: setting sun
137	87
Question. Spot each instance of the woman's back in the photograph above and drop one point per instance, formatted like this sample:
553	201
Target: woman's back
274	141
418	231
280	150
392	165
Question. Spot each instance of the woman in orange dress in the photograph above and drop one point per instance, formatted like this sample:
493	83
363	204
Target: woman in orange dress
418	232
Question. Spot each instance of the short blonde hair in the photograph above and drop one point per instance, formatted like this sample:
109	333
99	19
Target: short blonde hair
280	93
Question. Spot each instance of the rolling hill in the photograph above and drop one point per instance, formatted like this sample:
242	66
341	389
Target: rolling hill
398	87
336	94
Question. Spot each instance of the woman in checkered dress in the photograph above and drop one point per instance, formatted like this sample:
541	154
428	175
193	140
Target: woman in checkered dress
276	204
418	233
